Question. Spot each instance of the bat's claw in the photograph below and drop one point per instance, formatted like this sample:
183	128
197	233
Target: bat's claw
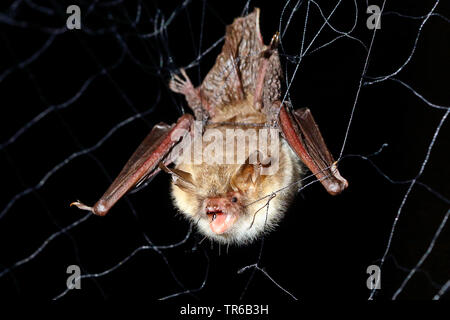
81	206
275	41
342	181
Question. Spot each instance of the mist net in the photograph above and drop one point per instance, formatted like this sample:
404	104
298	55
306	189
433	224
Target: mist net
76	102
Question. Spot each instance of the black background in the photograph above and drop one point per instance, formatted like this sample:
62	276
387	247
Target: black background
323	246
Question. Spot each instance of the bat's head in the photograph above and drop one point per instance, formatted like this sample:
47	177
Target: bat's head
234	203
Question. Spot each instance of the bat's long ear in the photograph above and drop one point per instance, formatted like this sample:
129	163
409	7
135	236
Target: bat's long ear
248	175
143	164
303	135
180	178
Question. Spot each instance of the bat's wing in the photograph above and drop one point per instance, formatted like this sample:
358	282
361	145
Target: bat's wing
245	68
303	135
143	163
235	73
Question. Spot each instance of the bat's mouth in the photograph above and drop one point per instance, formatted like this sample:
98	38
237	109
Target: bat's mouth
220	220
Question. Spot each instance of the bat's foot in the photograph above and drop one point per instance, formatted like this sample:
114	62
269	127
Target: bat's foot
184	86
181	85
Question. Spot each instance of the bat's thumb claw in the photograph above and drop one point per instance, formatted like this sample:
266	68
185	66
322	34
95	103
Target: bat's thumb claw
81	206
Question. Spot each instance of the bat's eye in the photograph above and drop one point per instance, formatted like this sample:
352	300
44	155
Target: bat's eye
234	199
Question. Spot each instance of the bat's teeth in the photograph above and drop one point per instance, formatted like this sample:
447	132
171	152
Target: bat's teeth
213	210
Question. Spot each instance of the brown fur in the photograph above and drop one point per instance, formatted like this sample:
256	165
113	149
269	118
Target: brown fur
218	180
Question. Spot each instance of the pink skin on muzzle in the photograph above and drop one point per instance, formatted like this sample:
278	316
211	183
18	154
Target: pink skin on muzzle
222	211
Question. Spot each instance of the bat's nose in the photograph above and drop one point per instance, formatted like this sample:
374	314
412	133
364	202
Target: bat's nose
217	203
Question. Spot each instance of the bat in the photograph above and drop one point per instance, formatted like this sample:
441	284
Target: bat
225	188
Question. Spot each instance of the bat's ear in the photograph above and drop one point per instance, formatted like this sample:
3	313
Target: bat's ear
248	175
180	178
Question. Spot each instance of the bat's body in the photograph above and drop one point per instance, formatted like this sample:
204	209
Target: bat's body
232	201
210	205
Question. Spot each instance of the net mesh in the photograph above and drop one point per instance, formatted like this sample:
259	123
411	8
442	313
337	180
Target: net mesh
76	103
